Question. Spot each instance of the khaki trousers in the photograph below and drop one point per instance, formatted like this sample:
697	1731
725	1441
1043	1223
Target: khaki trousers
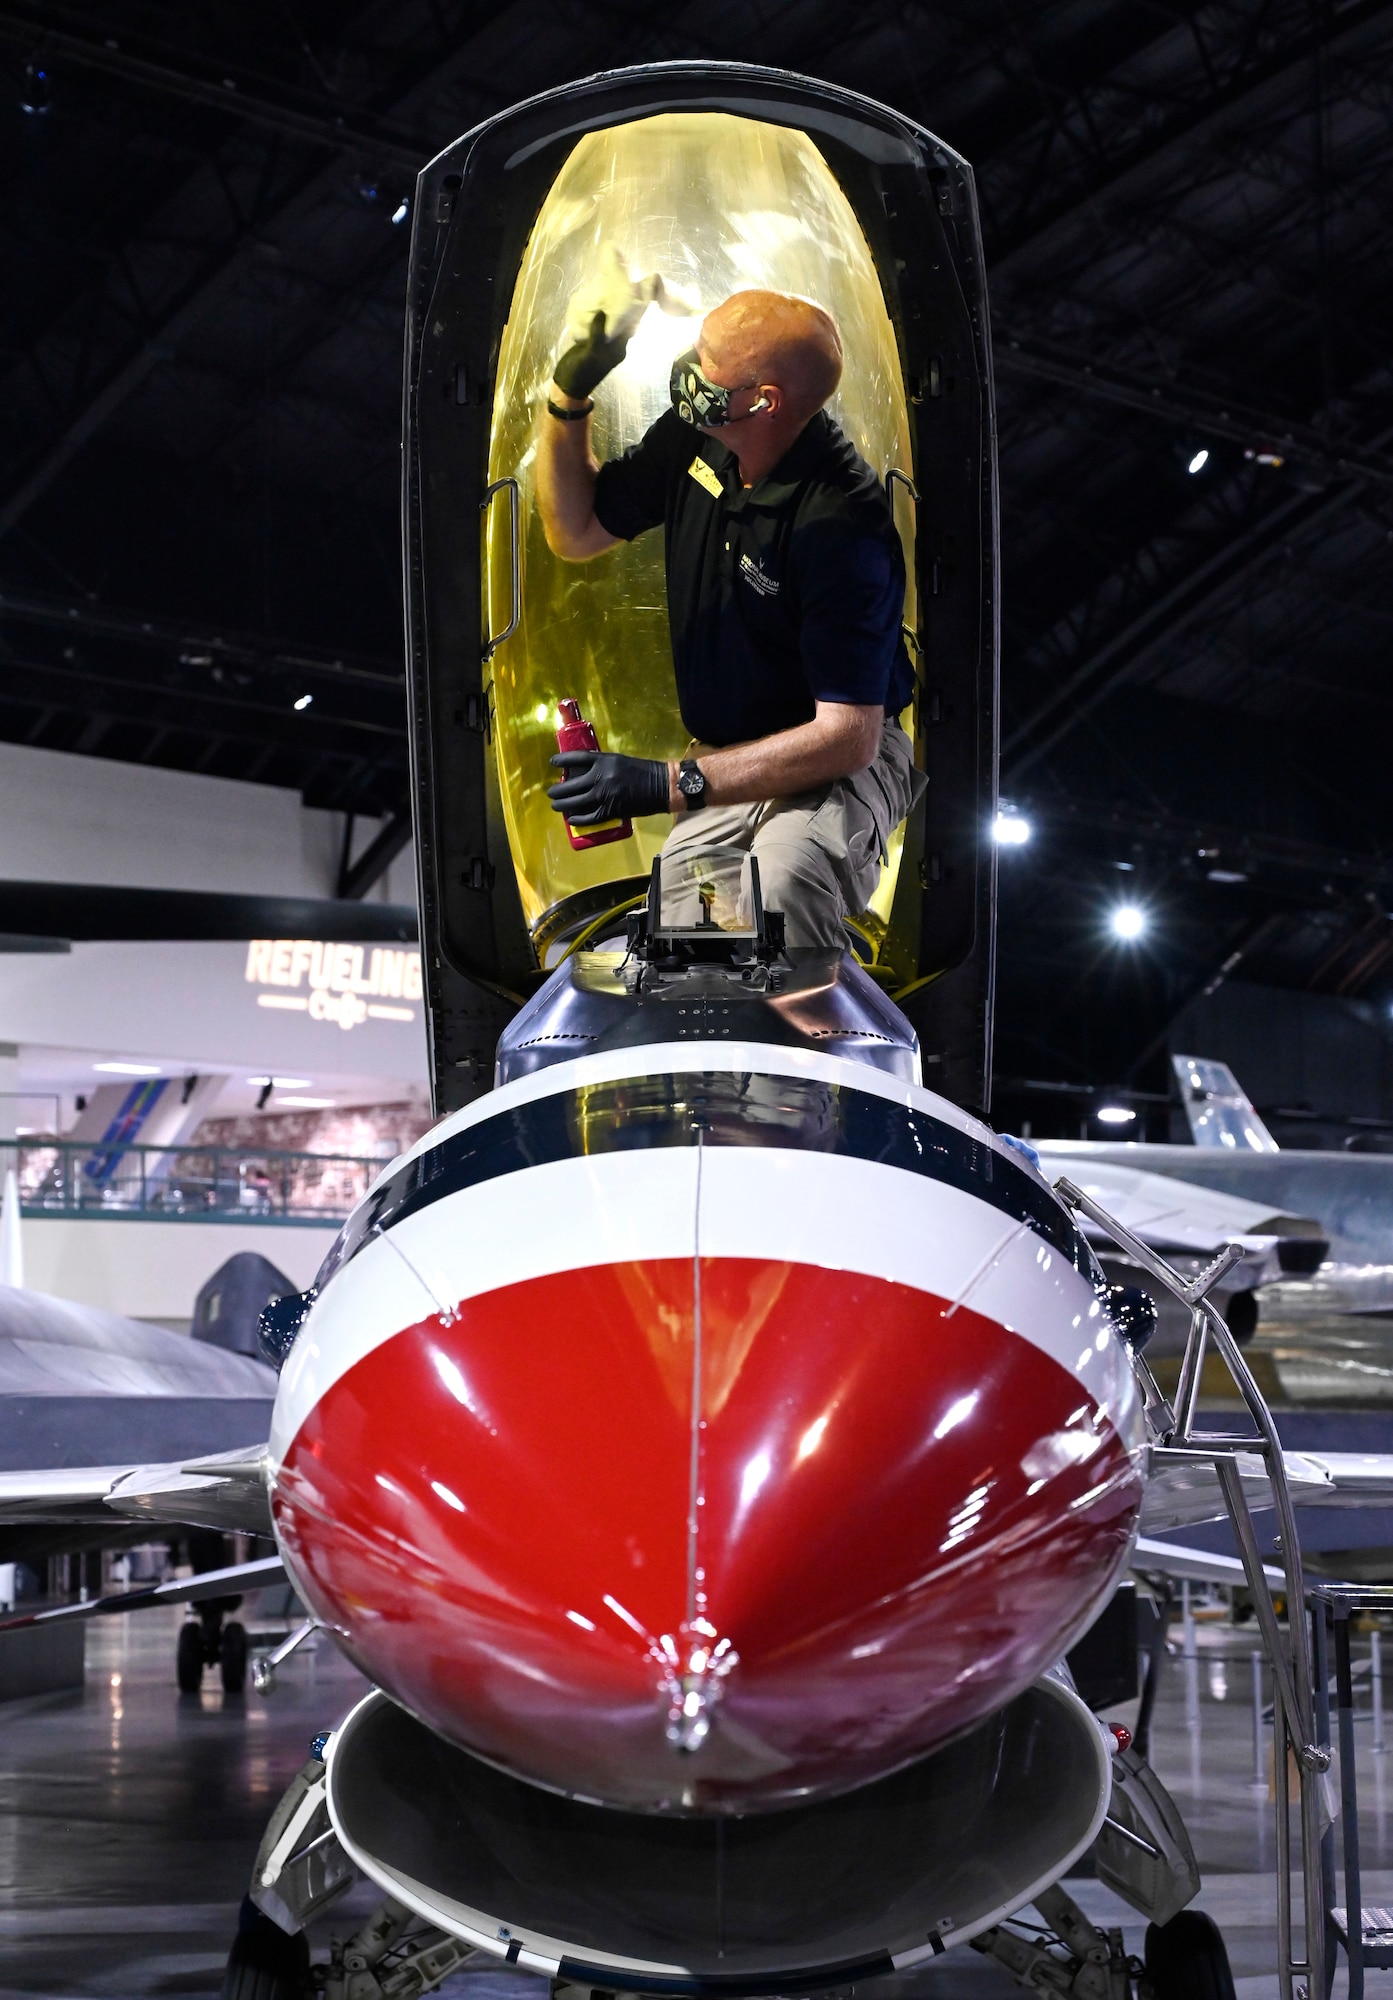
819	852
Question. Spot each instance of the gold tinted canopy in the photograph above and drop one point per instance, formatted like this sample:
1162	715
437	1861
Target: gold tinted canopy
714	204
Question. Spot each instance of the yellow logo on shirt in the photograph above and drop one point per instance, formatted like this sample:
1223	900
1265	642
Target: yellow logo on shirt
705	475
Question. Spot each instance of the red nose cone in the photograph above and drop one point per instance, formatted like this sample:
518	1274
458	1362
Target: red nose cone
885	1519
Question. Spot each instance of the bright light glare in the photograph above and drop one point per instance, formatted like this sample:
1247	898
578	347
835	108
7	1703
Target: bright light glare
293	1103
450	1499
755	1473
1199	461
450	1375
400	213
1114	1114
453	1379
128	1069
1009	828
657	340
812	1437
1128	921
956	1413
629	1619
303	701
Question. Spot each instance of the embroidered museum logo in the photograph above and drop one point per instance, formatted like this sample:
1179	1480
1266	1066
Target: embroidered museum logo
754	575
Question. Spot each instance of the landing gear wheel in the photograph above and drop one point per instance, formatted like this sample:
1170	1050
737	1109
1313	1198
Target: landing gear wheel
188	1660
1186	1960
264	1962
233	1656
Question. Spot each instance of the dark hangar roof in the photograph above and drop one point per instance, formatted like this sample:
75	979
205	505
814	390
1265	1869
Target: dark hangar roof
1186	212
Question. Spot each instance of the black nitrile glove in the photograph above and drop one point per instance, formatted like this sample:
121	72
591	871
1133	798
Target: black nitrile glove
583	367
600	785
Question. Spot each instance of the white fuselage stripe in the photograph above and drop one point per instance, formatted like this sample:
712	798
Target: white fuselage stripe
830	1211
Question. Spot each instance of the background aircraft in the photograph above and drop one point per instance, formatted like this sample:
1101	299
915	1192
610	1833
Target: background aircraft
78	1384
1329	1215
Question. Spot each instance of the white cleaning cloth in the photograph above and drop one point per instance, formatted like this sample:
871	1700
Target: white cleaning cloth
622	298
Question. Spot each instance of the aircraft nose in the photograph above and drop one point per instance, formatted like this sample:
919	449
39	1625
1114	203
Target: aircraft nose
669	1533
494	1510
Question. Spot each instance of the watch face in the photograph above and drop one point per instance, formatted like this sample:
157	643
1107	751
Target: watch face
691	784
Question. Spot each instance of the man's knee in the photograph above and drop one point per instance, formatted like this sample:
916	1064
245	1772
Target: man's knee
716	826
797	878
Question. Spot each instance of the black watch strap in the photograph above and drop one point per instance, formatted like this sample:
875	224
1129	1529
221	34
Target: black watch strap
569	416
693	793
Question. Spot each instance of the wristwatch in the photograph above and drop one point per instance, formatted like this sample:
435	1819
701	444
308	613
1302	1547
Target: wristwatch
691	782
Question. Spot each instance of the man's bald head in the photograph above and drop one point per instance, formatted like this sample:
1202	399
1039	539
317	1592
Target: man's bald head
776	338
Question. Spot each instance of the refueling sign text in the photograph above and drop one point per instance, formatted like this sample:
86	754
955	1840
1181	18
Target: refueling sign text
341	987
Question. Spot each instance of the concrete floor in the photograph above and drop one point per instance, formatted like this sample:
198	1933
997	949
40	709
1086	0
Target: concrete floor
129	1816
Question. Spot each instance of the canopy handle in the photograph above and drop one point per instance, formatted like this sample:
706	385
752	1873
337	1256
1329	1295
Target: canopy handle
908	484
492	645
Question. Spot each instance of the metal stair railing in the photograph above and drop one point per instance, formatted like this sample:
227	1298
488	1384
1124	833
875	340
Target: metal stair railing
1365	1935
1176	1441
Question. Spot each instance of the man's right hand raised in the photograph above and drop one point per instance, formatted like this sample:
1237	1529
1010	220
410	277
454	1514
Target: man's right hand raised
585	365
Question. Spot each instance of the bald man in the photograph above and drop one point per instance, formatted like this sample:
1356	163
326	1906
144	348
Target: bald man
785	583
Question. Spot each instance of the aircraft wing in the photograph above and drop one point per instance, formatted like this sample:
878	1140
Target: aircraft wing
1177	1216
1351	1478
1170	1559
234	1581
227	1492
77	1383
1184	1493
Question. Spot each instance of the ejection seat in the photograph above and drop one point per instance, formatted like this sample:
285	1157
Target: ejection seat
701	958
717	176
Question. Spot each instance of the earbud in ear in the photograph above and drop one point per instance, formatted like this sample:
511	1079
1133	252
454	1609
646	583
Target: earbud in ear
762	404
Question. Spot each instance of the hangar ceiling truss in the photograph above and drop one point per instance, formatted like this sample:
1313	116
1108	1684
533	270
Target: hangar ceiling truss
1186	210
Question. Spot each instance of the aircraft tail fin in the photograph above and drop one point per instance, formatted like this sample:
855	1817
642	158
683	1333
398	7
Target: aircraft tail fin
1220	1112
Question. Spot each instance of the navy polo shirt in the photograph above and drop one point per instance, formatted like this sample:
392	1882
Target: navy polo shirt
779	596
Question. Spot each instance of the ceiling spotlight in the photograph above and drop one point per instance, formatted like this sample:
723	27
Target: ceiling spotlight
1128	921
403	209
1224	875
1199	460
306	1103
303	701
1114	1114
128	1069
1010	828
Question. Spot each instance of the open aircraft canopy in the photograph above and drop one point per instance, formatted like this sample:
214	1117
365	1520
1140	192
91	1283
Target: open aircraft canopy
718	177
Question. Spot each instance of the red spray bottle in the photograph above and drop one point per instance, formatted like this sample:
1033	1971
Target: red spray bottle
575	733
